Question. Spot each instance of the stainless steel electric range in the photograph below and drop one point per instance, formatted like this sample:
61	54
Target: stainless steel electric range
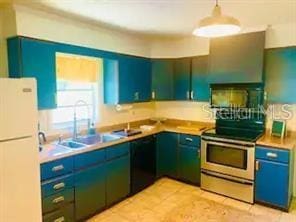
228	152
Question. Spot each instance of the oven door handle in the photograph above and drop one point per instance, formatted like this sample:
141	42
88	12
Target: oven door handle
225	141
241	147
225	177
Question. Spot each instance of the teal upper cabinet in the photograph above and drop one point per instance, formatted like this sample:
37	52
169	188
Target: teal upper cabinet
280	76
34	58
237	59
200	90
162	79
127	79
182	72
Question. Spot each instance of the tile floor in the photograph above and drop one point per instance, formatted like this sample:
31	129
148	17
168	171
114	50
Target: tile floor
172	201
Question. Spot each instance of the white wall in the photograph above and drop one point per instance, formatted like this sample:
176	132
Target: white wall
48	26
276	36
7	29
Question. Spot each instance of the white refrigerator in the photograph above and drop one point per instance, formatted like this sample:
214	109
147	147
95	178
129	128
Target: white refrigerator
20	191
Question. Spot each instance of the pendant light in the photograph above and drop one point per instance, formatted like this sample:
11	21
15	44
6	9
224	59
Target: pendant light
217	25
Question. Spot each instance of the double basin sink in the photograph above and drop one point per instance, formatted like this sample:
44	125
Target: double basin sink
88	140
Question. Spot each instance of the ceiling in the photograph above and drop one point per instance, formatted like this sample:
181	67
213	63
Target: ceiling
168	17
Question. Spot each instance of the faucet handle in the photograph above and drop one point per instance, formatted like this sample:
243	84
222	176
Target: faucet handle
60	138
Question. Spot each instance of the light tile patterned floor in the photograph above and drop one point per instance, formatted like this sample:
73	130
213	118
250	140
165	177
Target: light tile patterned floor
172	201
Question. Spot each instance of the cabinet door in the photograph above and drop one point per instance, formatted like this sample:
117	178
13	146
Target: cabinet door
162	79
134	79
89	191
280	78
189	164
117	179
126	84
272	182
182	79
38	59
167	154
142	79
200	90
111	77
35	58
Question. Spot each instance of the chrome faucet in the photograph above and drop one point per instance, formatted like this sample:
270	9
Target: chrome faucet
75	133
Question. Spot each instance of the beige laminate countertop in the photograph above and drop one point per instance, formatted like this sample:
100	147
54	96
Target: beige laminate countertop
287	143
53	151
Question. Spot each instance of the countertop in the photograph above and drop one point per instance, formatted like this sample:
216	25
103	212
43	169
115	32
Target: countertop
53	151
287	143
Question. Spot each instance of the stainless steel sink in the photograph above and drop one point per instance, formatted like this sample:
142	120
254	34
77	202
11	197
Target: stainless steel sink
85	141
109	137
72	144
89	139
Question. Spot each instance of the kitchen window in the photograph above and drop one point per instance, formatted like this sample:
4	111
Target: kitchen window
77	90
68	94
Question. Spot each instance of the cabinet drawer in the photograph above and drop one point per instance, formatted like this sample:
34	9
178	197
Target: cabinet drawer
272	154
189	140
117	151
55	186
57	200
56	168
88	159
64	214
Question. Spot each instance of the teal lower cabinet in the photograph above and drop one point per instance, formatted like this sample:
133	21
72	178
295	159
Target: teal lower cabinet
167	154
178	156
273	182
189	164
64	214
89	191
117	179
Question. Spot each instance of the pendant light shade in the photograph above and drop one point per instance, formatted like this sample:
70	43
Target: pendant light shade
217	25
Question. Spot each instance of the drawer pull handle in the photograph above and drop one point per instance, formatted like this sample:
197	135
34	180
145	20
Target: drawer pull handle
257	165
58	200
59	186
57	168
198	153
272	155
188	139
60	219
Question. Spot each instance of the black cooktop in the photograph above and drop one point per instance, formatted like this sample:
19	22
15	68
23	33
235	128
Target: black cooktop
234	134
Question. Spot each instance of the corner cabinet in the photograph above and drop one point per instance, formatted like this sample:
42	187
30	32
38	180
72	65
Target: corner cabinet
162	79
178	157
200	88
182	72
167	154
274	177
127	79
34	58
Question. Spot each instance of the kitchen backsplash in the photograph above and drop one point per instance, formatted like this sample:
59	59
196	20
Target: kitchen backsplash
194	111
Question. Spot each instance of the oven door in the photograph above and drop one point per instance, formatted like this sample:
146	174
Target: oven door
228	158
